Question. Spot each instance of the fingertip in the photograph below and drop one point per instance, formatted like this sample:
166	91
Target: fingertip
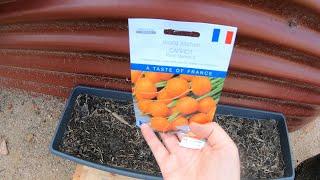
201	130
194	125
146	131
157	148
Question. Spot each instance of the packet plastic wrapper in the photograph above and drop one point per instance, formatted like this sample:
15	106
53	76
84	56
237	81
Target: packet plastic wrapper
177	72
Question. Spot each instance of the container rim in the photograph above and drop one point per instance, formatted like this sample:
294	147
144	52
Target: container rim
221	110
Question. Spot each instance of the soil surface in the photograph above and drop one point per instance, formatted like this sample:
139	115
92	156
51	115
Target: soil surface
103	131
39	114
259	146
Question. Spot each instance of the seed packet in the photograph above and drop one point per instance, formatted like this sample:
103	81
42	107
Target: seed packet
177	71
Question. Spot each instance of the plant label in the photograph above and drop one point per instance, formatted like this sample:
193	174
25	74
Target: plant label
192	143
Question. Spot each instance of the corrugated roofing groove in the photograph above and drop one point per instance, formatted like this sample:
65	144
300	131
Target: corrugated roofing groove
259	87
71	62
273	66
261	25
241	85
51	46
287	108
104	42
90	41
63	79
312	4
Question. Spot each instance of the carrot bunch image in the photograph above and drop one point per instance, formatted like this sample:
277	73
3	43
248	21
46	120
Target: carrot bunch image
175	100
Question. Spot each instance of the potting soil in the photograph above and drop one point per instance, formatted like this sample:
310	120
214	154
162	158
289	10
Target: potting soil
258	142
96	135
103	131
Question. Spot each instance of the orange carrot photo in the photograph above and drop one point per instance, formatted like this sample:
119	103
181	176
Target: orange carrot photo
177	87
176	99
187	105
200	118
200	85
160	124
164	97
179	121
153	76
135	75
159	109
145	89
206	104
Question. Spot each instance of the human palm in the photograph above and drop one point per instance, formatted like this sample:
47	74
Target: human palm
218	159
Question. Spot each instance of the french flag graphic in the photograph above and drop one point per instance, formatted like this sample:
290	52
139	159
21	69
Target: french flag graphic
217	33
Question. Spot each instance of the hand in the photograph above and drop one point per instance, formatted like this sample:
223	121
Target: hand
218	159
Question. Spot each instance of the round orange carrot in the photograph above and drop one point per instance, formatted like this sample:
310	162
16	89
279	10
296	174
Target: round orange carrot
145	89
187	105
200	118
153	76
164	97
160	124
186	77
179	121
211	113
177	87
200	85
135	75
159	109
206	104
165	76
144	105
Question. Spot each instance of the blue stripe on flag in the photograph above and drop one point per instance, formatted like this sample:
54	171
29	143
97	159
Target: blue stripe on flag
215	35
179	70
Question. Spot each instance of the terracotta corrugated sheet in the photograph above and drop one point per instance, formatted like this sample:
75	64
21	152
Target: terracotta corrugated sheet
51	46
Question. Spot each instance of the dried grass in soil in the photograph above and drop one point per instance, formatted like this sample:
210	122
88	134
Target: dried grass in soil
259	146
103	131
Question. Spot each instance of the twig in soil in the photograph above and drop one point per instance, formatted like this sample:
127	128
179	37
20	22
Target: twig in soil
110	141
127	106
258	139
115	115
1	170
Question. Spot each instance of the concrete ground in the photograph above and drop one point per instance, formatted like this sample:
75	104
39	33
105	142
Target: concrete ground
305	142
27	123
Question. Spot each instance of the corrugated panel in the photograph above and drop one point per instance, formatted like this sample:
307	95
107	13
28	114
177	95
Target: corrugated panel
51	46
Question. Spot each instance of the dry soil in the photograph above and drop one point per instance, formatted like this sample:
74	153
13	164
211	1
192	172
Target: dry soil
28	120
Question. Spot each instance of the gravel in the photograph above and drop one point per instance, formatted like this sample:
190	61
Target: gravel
27	123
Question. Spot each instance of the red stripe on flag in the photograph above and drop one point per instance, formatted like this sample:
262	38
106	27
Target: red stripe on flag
229	37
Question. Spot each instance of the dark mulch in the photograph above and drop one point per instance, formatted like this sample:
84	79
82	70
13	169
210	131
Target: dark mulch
103	131
96	135
259	146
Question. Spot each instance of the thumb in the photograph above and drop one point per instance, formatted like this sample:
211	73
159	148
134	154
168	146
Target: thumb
215	135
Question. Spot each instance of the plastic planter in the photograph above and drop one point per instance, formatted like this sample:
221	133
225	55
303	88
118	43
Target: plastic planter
120	95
